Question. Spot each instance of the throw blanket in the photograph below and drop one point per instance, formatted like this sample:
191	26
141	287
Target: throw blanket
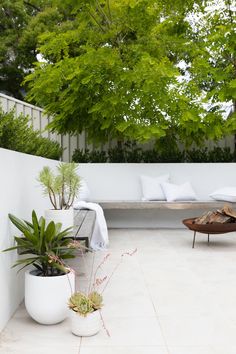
99	240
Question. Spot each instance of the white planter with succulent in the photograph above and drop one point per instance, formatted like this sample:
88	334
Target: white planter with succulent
85	315
62	190
51	282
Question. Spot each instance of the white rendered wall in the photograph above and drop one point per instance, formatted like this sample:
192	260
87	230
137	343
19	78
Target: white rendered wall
20	194
122	182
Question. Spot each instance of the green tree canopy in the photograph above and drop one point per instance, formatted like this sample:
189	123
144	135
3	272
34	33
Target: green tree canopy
113	68
17	48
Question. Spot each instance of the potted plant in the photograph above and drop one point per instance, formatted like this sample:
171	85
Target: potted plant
85	315
85	306
61	188
49	284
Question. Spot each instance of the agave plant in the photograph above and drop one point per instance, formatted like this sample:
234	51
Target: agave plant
46	245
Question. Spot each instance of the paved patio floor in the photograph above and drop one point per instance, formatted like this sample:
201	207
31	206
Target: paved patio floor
166	299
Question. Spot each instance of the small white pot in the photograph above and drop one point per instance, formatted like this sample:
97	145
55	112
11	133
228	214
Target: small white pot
85	326
65	217
46	298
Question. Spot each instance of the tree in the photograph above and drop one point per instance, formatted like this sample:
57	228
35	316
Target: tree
211	59
17	53
112	68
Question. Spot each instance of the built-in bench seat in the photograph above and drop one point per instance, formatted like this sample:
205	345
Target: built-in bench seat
145	205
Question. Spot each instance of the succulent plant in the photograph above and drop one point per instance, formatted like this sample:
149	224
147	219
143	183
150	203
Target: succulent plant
85	304
96	300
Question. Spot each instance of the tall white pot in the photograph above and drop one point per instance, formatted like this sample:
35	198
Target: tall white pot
46	298
65	217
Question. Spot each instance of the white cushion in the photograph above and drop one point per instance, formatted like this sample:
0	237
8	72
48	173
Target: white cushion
84	192
174	192
227	194
151	187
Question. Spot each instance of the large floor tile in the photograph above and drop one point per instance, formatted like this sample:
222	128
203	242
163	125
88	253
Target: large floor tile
192	350
124	350
131	302
166	299
22	334
138	331
25	348
182	297
198	330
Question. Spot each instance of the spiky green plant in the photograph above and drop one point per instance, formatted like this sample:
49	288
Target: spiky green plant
85	304
46	245
63	187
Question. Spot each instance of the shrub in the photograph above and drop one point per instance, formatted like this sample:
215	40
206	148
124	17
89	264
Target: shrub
80	155
197	155
221	154
116	154
98	156
16	134
150	156
132	154
84	156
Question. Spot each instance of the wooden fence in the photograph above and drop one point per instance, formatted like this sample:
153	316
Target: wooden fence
67	142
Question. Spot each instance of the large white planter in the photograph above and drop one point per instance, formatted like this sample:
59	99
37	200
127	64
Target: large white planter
46	298
85	326
65	217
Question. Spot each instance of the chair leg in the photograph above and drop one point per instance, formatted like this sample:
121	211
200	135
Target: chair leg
208	240
194	236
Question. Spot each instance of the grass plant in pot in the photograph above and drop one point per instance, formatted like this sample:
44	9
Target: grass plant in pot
62	189
49	284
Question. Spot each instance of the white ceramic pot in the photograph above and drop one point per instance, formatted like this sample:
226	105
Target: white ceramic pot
85	326
65	217
46	298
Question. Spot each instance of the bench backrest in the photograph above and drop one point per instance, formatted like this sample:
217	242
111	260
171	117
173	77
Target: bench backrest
122	181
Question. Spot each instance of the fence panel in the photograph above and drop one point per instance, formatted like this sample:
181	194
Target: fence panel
70	143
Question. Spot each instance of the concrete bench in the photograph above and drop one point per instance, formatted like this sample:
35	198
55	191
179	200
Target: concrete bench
154	214
117	188
145	205
84	221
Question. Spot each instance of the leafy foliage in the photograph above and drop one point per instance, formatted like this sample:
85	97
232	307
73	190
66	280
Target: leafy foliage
212	54
46	245
63	187
17	53
111	68
17	134
137	155
125	69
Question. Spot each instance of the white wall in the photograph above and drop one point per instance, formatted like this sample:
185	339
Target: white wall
20	194
118	181
121	182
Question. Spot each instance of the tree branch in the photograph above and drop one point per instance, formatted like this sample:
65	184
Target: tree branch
32	5
102	12
109	10
94	18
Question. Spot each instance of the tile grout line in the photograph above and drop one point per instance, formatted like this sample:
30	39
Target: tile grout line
162	332
80	343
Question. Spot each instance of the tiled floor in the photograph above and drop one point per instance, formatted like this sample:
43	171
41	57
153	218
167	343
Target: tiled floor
166	299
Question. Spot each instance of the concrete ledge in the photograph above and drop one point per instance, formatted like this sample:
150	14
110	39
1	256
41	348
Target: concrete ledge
146	205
